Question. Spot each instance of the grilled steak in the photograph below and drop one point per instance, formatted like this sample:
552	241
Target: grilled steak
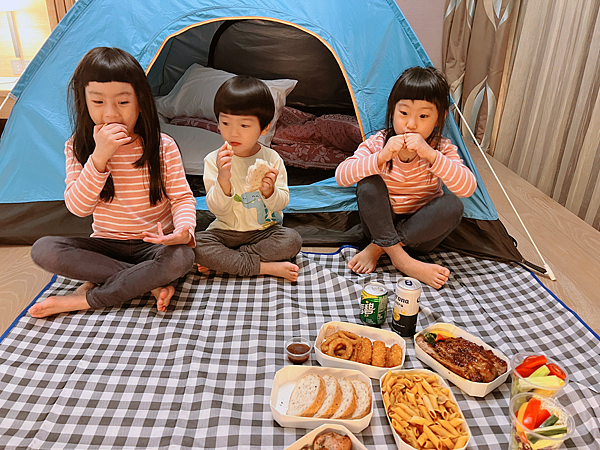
465	358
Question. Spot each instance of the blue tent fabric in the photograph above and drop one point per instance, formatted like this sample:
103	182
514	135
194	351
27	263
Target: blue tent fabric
372	41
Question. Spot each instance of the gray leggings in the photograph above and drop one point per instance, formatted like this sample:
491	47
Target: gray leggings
121	269
420	232
241	252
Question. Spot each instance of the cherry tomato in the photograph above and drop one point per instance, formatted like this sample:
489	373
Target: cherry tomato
555	370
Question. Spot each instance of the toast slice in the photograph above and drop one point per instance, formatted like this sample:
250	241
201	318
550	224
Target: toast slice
349	400
333	397
363	402
307	396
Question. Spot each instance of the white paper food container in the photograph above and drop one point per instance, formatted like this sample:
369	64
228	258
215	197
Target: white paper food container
340	429
399	442
283	385
375	334
471	388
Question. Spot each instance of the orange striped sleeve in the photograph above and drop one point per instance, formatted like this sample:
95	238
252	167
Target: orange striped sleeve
362	164
454	174
183	203
84	184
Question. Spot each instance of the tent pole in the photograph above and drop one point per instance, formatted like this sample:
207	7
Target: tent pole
546	266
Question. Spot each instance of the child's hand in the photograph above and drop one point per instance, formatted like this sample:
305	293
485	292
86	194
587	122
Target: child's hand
108	137
416	143
393	146
180	237
224	159
268	183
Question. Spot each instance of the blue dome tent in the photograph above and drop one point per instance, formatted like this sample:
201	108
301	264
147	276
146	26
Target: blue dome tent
370	43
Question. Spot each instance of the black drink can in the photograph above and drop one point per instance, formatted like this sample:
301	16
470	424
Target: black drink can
406	306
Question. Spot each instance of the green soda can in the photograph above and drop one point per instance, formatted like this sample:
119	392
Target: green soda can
373	303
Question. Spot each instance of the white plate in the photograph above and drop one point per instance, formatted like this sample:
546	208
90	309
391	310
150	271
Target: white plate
310	437
399	442
283	385
375	334
471	388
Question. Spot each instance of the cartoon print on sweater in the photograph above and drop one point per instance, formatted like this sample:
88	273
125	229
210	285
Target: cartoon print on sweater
253	200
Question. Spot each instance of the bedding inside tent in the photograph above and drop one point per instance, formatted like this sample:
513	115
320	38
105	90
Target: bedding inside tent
344	61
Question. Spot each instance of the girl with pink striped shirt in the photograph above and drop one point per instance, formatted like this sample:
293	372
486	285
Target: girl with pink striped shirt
121	169
400	172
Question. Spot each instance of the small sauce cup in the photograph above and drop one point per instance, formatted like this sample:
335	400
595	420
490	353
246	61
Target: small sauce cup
298	350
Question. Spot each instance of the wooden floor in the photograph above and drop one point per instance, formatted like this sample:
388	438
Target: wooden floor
569	246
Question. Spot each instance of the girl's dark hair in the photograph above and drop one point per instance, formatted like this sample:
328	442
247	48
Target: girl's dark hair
103	65
244	95
419	83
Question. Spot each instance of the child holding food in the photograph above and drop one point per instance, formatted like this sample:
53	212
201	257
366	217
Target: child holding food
400	172
246	189
130	178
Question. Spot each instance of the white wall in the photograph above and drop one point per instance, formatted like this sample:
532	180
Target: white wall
426	17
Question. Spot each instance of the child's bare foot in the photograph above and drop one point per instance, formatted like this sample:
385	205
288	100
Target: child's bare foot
283	269
163	297
433	275
202	269
366	260
62	303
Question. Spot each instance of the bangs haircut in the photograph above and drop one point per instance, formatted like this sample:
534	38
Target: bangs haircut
105	65
244	95
421	83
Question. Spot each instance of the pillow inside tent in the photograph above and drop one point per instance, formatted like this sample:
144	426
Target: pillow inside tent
194	95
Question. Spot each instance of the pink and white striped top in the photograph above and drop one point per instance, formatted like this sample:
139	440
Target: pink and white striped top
414	184
130	213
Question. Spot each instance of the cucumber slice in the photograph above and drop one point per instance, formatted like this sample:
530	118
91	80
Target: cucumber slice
549	421
551	431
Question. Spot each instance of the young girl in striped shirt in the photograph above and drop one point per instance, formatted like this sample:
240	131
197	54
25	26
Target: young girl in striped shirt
121	169
400	172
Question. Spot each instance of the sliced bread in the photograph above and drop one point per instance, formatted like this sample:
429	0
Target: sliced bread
307	396
348	404
363	402
333	397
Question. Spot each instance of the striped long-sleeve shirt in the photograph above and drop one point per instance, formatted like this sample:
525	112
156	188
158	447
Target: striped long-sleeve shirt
414	184
130	213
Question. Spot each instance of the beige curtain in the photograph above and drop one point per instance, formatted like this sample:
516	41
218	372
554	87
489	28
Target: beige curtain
475	39
57	9
549	127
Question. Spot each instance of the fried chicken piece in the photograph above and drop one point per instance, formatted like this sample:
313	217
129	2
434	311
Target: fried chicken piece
394	357
379	356
365	351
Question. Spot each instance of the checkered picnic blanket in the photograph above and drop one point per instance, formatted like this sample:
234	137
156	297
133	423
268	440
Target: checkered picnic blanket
200	375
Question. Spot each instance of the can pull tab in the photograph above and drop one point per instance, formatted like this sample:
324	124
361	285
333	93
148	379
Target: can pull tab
409	283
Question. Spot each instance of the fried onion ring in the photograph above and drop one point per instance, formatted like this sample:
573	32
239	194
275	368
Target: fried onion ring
350	336
341	348
328	340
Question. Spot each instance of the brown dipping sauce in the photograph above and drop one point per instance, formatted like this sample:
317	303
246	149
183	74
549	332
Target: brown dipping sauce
298	352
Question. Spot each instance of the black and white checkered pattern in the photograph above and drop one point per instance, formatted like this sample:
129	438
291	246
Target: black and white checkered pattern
200	375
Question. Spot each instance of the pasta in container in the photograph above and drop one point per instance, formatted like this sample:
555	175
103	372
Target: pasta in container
422	411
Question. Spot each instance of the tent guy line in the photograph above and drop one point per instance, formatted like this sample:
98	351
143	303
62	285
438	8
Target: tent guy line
549	271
